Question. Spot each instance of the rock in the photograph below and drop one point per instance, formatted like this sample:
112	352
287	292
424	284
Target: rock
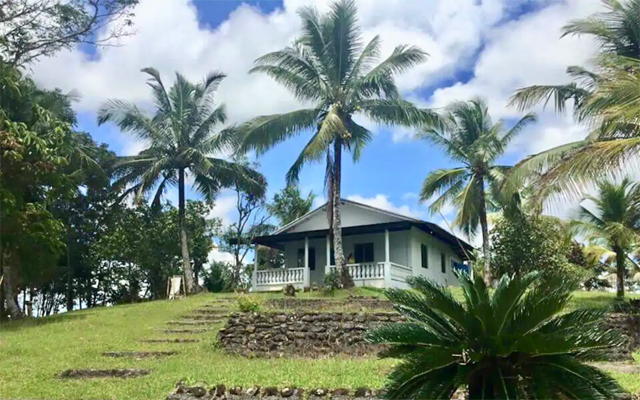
286	392
250	329
220	391
197	391
253	391
280	318
339	392
363	392
236	390
319	392
270	391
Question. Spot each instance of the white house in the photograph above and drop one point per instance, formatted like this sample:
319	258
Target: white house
383	249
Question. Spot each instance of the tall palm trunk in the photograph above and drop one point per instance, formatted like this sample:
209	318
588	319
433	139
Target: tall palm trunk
12	307
184	244
336	223
484	226
621	259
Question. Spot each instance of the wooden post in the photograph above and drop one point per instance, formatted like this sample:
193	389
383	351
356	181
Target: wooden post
387	261
307	272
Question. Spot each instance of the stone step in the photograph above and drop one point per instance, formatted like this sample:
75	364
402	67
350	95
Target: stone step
187	331
139	354
205	317
210	311
174	340
102	373
195	323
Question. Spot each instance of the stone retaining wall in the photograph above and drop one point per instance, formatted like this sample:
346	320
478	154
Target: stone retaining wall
220	392
354	303
301	333
629	326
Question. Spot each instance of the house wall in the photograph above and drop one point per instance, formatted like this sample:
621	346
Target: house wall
404	249
435	248
351	216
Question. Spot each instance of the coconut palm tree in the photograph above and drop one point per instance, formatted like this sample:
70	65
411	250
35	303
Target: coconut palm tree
513	343
614	222
468	135
330	68
182	139
597	97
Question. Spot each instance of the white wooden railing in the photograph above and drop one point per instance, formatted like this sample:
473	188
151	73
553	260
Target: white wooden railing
400	272
372	270
279	276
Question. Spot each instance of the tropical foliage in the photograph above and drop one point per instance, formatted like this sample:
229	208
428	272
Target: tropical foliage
603	99
467	134
182	140
611	220
330	67
512	343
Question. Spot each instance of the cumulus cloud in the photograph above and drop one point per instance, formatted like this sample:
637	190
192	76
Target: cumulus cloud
382	201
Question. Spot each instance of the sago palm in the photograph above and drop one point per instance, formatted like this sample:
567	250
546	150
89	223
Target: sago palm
596	97
614	223
331	68
512	343
182	139
467	134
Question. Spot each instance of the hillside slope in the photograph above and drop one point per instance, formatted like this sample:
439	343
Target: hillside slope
32	353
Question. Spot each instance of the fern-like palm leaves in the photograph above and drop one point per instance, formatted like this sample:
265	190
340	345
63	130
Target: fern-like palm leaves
514	343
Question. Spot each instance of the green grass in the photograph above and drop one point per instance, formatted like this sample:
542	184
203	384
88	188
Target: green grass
33	352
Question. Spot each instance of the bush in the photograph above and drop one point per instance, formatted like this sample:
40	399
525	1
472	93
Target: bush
524	244
214	278
248	303
332	282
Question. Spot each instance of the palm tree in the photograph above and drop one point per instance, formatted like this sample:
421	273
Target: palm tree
468	136
513	343
182	139
328	67
597	98
614	224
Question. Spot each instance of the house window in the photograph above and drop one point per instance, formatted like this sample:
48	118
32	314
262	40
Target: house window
363	252
424	254
443	262
312	258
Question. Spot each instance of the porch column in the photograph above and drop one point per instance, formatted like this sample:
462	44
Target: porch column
327	267
307	273
387	261
254	275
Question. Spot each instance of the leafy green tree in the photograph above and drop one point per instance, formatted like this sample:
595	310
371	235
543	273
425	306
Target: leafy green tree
467	134
214	278
35	145
603	99
182	139
515	342
614	223
329	67
289	205
530	243
35	28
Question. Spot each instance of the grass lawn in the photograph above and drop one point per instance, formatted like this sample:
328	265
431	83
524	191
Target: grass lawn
33	352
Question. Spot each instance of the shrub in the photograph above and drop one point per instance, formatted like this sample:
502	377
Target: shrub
248	303
214	278
513	343
332	282
525	243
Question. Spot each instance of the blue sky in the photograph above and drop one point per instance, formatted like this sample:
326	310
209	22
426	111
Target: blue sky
484	48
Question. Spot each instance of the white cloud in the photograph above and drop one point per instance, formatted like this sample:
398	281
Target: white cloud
382	201
224	208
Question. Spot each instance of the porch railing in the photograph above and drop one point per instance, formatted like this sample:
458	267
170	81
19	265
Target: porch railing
280	276
400	272
372	270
